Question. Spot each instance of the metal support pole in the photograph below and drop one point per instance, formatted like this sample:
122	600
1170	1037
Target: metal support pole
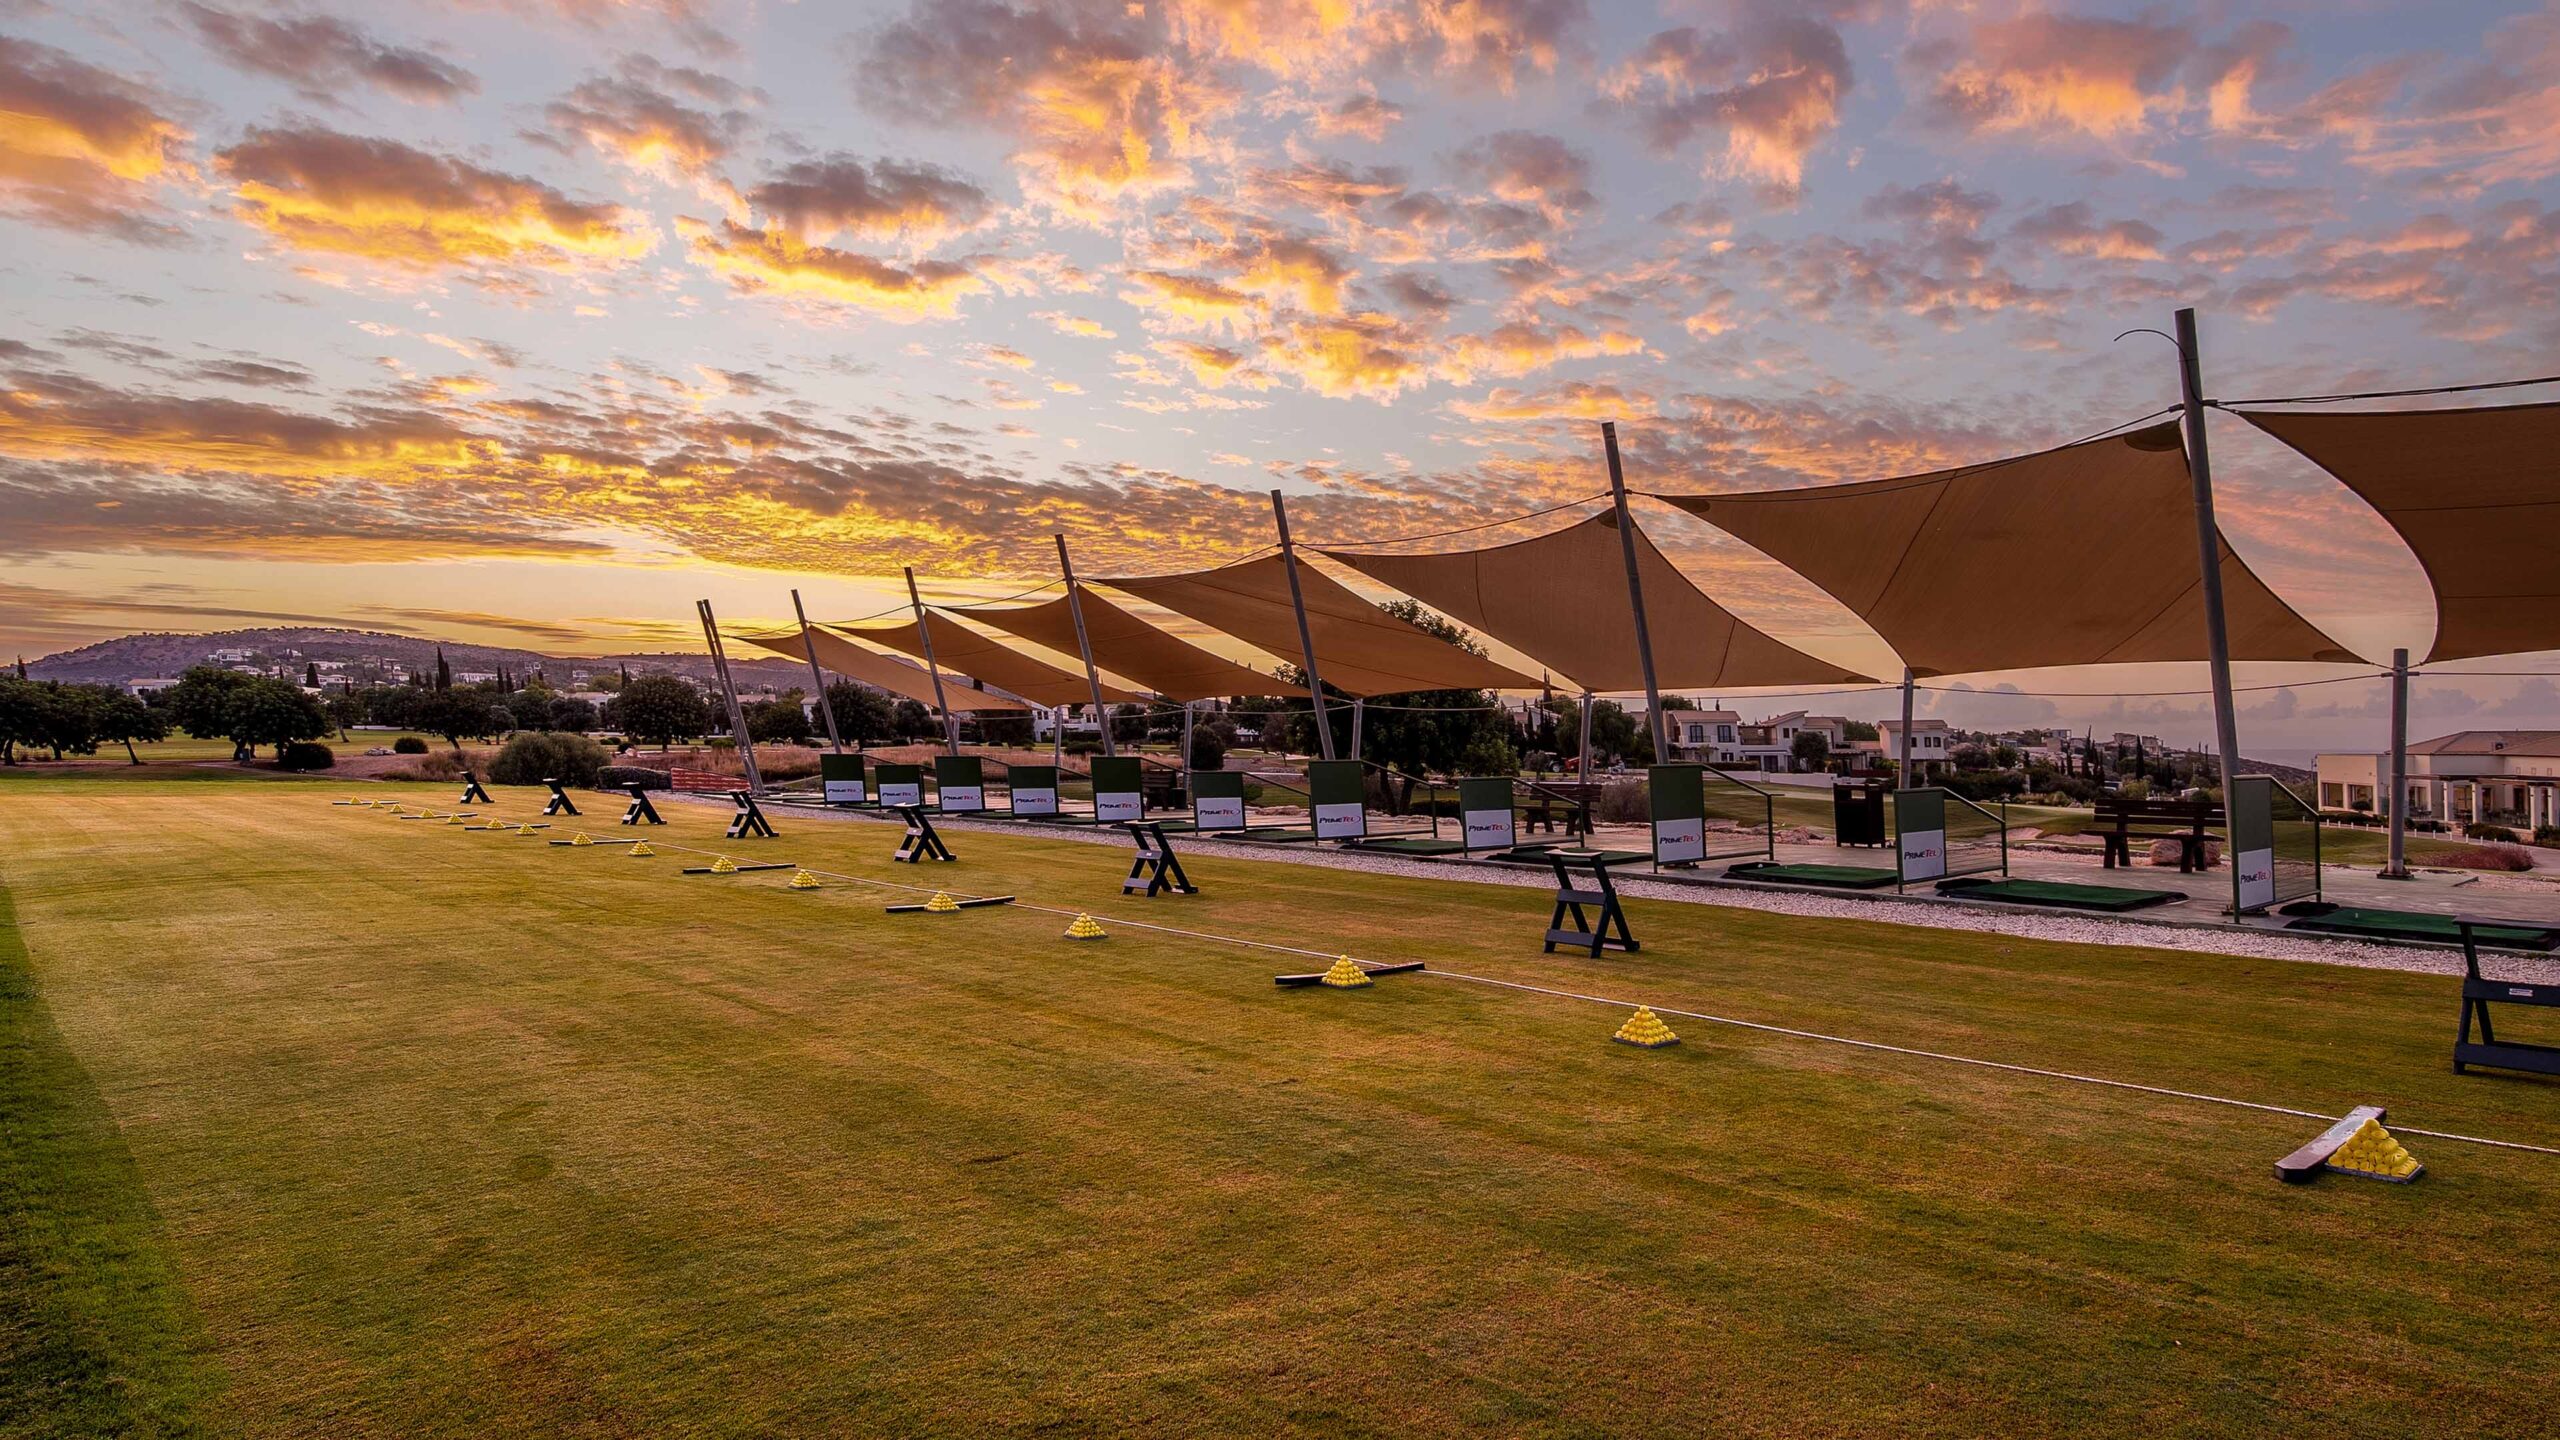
729	692
1582	775
2217	637
924	632
1084	647
1359	712
1186	741
1306	637
1635	595
817	677
2395	865
1902	767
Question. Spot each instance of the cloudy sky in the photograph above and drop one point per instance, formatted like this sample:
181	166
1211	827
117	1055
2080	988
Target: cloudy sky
529	322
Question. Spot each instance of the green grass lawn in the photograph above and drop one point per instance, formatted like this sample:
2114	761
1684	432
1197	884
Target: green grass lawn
321	1123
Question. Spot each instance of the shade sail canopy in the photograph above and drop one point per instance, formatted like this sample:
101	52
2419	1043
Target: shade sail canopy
1360	649
1562	598
2085	555
880	672
1126	645
959	650
2476	493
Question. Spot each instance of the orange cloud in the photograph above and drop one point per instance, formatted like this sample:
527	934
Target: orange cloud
1188	299
1211	365
380	200
1573	400
770	262
320	56
80	148
639	116
2072	230
885	200
1522	347
2042	74
1356	355
1771	87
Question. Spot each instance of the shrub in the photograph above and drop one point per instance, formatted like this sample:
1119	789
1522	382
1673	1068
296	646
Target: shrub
305	755
2546	835
787	765
532	756
1208	749
618	777
2485	857
2481	830
435	767
1084	747
1621	801
408	745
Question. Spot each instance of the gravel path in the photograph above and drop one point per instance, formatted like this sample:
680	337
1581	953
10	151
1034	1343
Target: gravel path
2213	938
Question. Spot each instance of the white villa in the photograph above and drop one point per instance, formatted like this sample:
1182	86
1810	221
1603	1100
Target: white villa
1932	743
2507	775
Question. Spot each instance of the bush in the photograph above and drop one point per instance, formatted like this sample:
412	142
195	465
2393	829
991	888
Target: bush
436	767
2546	835
408	745
620	777
1620	801
1208	749
532	756
2485	857
2481	830
305	755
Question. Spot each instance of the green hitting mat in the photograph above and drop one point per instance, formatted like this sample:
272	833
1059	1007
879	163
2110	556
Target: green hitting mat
2059	894
1836	877
2414	925
1423	845
1537	855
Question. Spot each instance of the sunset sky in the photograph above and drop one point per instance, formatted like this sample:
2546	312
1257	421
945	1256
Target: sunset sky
528	323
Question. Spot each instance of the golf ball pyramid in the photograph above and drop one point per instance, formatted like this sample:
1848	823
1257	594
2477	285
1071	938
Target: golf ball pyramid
640	850
1345	975
724	866
941	903
582	838
1646	1029
1084	928
803	880
2372	1153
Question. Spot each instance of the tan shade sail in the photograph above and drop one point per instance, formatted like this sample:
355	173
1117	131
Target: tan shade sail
1126	645
1360	649
2084	555
2476	493
879	671
1562	598
959	650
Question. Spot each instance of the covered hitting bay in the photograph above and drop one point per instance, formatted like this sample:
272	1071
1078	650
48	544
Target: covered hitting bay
2475	493
880	672
2075	556
1360	649
959	650
1562	600
1126	645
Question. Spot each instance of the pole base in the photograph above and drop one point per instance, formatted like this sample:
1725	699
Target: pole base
2393	875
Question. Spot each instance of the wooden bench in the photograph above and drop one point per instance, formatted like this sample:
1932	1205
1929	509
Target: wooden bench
1162	789
2122	821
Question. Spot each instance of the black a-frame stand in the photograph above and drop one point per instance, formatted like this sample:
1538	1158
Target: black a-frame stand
473	792
560	803
2478	994
749	823
1571	897
640	811
1156	869
921	843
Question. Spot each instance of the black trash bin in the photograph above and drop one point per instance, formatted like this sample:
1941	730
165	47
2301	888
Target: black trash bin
1857	812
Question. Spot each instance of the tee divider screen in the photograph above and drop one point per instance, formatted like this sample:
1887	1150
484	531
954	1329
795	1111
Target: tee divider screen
1119	789
1487	819
845	780
1031	791
1337	798
1683	798
2274	843
1217	801
1939	835
901	786
959	784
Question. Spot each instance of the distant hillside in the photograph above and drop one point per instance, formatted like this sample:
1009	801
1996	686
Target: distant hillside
160	653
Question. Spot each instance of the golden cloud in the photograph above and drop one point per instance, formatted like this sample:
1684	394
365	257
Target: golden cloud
769	262
79	147
380	200
1521	347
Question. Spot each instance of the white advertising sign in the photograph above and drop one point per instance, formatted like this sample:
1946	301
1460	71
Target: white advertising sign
1924	854
1488	829
1114	807
964	797
1677	841
910	793
2257	878
1341	822
1035	802
845	792
1217	814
